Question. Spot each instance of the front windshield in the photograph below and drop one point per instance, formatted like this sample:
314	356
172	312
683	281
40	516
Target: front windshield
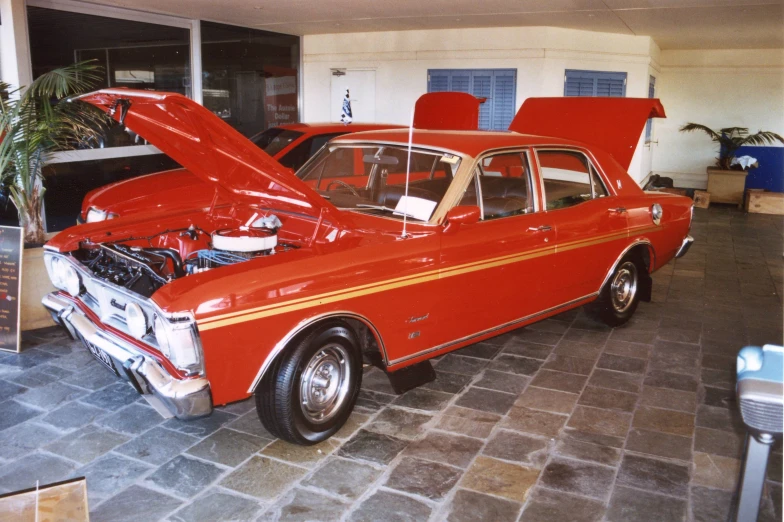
372	178
275	139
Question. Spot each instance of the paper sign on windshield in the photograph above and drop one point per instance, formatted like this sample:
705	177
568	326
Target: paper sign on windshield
417	208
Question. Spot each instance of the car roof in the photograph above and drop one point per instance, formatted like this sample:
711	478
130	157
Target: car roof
330	127
471	143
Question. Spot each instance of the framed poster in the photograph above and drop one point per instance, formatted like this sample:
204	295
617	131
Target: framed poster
11	248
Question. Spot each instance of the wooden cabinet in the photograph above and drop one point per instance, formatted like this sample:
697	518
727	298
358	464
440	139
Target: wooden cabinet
726	186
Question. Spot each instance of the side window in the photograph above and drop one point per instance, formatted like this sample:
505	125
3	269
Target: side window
599	190
297	156
504	186
566	176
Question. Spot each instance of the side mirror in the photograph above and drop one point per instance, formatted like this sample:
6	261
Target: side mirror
461	215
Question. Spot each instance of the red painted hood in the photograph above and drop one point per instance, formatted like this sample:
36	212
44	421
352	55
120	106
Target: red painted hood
208	147
447	111
612	124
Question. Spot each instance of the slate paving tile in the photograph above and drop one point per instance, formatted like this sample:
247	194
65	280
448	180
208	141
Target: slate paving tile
27	359
9	389
22	439
675	381
304	506
681	335
528	335
13	413
91	379
529	350
659	444
250	423
533	421
546	505
608	399
470	506
579	349
346	478
719	418
374	447
577	449
583	335
550	325
666	421
654	475
201	427
619	363
501	479
583	478
454	450
719	442
593	438
448	382
23	473
50	396
371	402
613	380
73	415
454	363
567	382
718	379
709	505
262	477
486	400
112	397
426	479
228	447
157	445
109	474
385	506
643	506
305	456
217	505
718	362
239	407
718	397
184	477
39	376
504	382
133	419
675	358
627	349
480	350
355	421
715	471
425	400
376	380
515	364
516	447
564	363
87	444
79	359
604	422
399	423
135	503
469	422
547	400
634	335
668	399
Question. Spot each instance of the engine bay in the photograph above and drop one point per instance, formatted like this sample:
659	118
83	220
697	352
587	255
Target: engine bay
145	264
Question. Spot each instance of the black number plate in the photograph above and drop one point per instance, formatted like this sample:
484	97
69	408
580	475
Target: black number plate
102	357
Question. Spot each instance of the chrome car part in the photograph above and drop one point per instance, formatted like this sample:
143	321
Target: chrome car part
325	383
623	287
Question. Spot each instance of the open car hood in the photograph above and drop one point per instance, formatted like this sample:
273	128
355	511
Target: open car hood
612	124
207	146
447	111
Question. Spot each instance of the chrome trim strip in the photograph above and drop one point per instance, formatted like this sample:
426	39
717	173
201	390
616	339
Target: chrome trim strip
626	251
490	330
306	323
687	242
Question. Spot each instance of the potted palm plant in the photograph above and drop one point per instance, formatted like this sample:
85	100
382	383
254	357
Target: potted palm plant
36	121
727	179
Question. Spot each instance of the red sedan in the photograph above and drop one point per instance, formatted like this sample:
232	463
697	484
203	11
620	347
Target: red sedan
291	144
287	291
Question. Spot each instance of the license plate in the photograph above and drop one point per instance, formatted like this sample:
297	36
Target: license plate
102	357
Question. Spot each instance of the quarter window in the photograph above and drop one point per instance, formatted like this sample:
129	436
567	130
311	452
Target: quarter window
504	186
569	179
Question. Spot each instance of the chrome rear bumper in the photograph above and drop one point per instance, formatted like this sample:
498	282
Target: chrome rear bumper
184	398
687	241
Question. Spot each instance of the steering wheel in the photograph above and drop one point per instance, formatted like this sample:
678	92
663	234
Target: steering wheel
344	185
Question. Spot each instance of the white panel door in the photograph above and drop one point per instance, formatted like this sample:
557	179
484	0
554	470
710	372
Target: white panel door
362	88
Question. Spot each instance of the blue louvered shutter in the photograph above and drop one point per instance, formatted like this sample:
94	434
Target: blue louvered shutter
483	84
651	94
498	86
503	100
437	81
594	83
461	82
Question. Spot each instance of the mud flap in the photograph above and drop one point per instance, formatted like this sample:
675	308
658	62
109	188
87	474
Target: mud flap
411	377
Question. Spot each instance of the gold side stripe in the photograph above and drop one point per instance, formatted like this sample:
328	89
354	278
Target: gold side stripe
401	282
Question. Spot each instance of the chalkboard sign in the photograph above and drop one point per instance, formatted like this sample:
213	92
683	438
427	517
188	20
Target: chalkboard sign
11	248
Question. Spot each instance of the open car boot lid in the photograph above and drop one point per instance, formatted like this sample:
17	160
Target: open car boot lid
612	124
447	111
207	146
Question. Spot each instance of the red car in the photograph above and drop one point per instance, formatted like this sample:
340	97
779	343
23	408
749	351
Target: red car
287	291
291	144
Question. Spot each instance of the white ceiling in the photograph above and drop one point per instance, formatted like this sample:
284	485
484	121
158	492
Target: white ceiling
673	24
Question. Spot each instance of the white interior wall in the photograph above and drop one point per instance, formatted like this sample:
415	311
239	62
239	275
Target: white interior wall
539	54
717	88
14	44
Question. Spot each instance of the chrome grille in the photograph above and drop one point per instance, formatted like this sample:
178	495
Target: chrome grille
766	417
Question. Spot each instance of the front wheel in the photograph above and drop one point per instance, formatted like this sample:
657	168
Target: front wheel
619	297
309	392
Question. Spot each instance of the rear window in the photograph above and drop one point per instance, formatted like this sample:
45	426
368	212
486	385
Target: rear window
275	139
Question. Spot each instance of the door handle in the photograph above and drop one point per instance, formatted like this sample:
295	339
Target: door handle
542	228
619	210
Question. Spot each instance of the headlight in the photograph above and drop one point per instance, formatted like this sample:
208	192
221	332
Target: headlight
95	214
179	343
656	213
71	280
136	320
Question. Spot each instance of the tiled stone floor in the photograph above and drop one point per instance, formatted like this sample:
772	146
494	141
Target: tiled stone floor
563	420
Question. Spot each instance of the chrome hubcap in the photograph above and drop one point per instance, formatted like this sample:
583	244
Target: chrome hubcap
624	286
325	383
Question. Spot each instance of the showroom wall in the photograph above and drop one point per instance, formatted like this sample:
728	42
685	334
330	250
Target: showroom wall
541	55
718	88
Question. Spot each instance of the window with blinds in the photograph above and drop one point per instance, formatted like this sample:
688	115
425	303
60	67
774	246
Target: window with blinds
499	86
594	83
649	123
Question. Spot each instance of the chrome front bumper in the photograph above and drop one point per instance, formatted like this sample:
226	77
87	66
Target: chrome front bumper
687	241
184	398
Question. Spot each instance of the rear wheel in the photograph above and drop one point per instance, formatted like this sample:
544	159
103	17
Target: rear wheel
309	392
619	297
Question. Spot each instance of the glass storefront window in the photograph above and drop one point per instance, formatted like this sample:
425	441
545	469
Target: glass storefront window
250	77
